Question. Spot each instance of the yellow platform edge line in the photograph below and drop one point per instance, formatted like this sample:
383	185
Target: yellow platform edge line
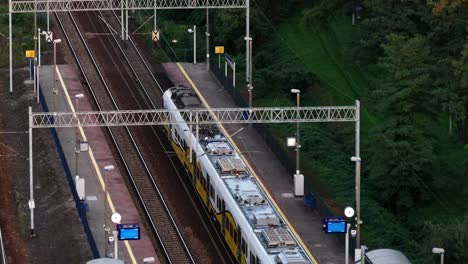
93	160
291	227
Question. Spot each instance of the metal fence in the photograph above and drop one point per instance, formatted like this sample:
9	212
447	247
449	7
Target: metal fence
2	249
225	78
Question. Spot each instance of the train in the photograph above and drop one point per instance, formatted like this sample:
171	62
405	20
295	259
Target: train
252	228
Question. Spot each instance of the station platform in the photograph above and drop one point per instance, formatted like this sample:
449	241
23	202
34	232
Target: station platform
306	223
91	167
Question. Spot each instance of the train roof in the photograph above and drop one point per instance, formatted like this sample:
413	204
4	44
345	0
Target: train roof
268	226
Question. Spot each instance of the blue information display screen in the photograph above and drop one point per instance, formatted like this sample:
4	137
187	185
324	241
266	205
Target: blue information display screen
336	227
129	231
334	224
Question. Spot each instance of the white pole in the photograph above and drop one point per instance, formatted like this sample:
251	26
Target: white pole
39	62
358	178
247	36
122	18
126	20
194	44
116	244
348	226
31	179
155	17
48	16
39	46
38	83
11	51
207	40
234	75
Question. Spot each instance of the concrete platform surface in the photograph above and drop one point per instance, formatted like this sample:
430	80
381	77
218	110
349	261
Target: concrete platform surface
91	164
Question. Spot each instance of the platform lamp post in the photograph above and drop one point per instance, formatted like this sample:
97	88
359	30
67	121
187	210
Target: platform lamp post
55	42
39	33
194	31
77	136
298	177
441	252
106	228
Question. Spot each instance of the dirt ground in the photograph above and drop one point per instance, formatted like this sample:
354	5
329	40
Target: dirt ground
59	234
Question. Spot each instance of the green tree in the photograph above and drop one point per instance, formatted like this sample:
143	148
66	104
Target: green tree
402	152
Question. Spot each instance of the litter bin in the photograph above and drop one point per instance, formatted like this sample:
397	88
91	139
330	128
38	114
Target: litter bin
310	200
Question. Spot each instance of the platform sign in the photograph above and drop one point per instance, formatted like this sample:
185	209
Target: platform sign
30	53
219	49
129	231
49	36
155	35
334	225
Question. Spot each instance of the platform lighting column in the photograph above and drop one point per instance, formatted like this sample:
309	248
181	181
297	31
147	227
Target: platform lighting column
55	42
39	33
77	136
298	134
441	252
35	46
106	228
357	160
31	179
194	31
250	85
207	33
247	41
11	50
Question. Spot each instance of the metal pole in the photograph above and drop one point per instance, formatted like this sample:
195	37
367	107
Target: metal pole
39	62
194	44
250	86
11	51
442	258
123	18
155	17
207	40
116	244
298	134
48	16
126	20
31	179
77	144
35	46
234	76
348	226
54	90
39	46
38	84
247	36
105	213
358	178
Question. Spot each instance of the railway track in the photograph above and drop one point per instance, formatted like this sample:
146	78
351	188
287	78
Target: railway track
3	257
148	139
158	214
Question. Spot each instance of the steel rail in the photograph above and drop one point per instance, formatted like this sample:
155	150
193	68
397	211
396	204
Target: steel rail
147	210
205	215
2	249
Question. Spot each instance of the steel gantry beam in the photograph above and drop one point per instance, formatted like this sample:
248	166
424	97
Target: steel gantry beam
19	6
204	116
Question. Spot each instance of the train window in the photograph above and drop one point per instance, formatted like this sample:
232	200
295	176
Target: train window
252	261
242	245
212	193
